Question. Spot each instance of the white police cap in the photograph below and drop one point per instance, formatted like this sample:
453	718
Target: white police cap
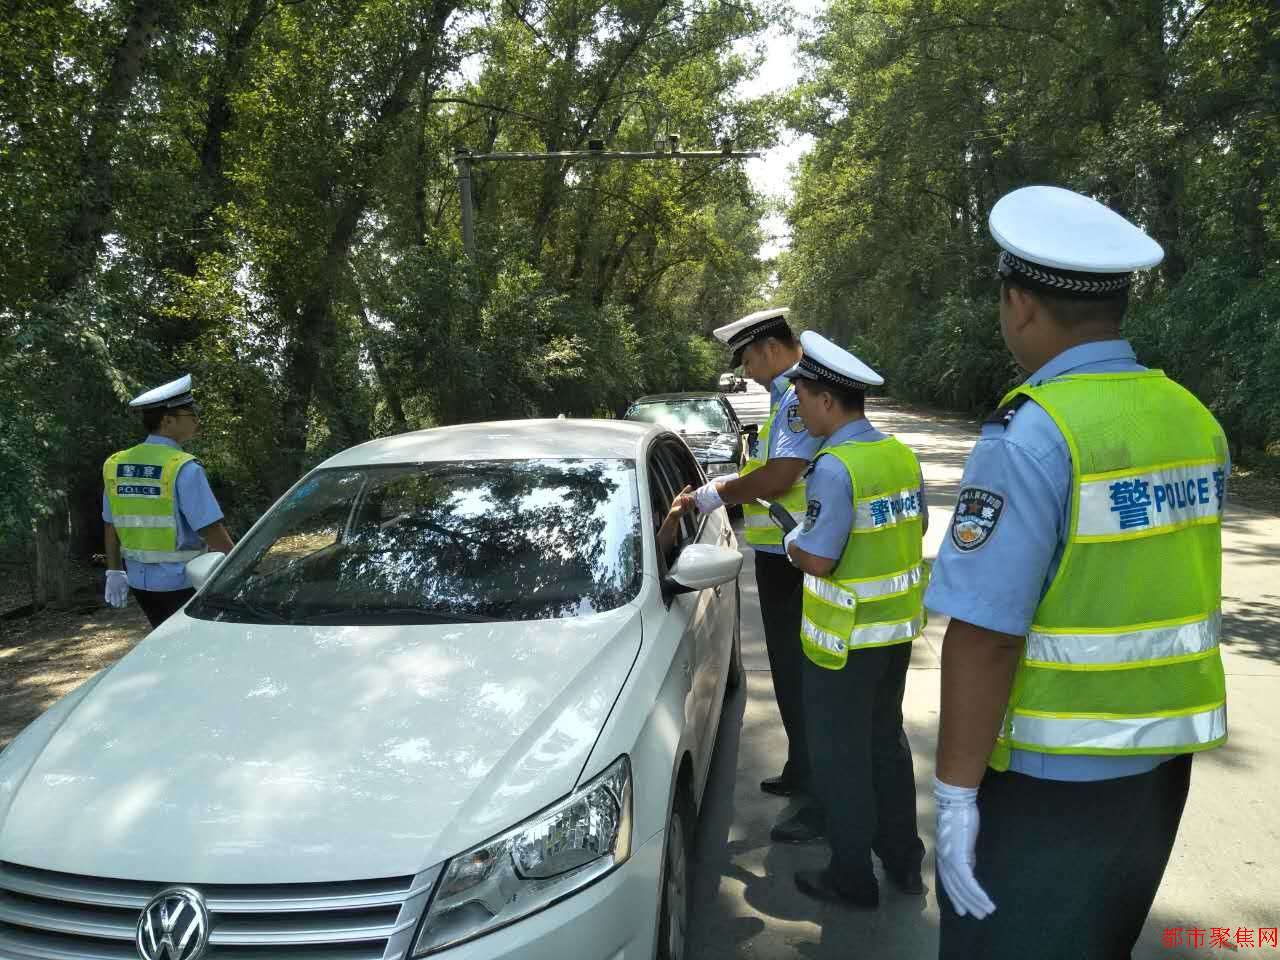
1062	242
176	393
742	333
825	362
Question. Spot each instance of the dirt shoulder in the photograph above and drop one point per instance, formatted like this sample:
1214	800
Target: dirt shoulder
46	656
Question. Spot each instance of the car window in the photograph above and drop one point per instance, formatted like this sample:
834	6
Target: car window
687	470
680	470
694	415
661	495
439	542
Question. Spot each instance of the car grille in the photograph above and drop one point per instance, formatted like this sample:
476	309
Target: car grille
60	916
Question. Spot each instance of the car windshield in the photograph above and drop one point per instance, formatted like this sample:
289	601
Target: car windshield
440	542
683	416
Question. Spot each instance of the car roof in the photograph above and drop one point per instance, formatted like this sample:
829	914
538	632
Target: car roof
505	440
688	395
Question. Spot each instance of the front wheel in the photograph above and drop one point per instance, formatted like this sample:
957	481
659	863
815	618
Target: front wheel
673	919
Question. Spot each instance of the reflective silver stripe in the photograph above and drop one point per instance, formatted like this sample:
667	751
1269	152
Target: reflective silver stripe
1130	646
847	593
162	556
878	513
879	634
830	592
1156	499
1121	733
823	638
898	583
761	519
145	523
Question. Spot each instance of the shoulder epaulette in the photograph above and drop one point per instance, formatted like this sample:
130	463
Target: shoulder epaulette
1003	416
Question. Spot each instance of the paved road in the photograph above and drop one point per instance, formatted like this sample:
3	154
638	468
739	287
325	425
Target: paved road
751	406
1225	871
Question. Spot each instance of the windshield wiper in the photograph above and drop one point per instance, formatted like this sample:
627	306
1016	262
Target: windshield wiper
229	605
415	614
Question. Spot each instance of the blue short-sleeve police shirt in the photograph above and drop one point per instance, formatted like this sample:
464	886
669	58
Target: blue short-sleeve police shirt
788	438
197	509
1008	533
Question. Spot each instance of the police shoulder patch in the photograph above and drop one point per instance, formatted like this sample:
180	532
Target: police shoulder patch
794	423
811	513
977	513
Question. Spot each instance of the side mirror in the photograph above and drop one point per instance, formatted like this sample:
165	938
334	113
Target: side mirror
702	565
201	568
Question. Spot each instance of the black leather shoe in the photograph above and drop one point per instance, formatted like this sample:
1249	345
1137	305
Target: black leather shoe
781	786
910	882
805	827
817	884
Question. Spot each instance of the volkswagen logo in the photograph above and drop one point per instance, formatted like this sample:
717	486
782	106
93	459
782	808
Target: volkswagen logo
174	926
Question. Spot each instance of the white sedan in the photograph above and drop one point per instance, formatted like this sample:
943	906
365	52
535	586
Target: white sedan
447	697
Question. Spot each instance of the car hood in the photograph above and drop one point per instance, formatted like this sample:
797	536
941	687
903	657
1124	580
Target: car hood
238	753
712	446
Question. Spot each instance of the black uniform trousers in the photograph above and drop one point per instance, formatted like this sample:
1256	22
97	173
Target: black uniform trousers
1072	867
861	763
781	588
160	605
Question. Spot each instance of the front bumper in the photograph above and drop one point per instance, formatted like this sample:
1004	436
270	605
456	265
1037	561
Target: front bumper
613	919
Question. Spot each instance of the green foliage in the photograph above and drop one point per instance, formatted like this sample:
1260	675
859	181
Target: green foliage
263	194
1218	334
926	111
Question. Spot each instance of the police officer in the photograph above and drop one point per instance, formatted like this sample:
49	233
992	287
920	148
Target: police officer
861	552
766	348
1082	573
157	506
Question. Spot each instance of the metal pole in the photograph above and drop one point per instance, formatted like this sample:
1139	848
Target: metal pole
462	158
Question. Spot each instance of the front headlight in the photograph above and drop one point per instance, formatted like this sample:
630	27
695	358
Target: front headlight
546	858
720	467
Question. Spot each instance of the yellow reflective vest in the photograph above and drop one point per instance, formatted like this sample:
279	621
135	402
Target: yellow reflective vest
139	484
874	596
758	528
1122	656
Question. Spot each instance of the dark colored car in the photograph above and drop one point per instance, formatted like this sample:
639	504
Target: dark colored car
705	420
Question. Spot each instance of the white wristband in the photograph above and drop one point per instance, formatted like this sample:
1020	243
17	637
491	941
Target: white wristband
949	795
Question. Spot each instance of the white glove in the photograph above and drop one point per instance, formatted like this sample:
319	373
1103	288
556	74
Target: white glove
707	497
790	538
117	588
957	840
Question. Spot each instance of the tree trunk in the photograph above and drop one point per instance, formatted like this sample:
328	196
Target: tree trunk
211	187
83	232
53	570
314	335
389	389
